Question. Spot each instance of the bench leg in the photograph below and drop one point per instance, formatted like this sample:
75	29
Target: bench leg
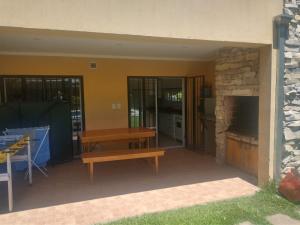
91	171
156	164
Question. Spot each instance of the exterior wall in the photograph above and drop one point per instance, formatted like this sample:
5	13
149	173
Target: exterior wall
237	74
291	150
227	20
105	85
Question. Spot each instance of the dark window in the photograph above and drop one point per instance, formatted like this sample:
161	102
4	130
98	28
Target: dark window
45	89
12	89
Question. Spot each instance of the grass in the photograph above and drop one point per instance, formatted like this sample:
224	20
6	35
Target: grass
254	209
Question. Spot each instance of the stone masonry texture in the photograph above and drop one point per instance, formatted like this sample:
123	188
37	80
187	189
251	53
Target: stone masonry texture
236	72
291	123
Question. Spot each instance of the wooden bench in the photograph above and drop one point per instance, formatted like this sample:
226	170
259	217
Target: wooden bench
107	156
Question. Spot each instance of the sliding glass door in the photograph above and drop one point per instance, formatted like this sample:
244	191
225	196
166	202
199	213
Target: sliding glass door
142	102
158	103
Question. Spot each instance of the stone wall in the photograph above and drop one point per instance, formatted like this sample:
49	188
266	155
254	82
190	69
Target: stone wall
291	123
236	75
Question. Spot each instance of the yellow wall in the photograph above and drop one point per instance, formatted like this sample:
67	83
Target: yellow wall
218	20
105	85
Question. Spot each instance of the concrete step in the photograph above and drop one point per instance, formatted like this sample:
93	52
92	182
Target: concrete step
280	219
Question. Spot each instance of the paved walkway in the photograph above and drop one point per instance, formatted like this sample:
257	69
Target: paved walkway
280	219
128	205
277	219
122	189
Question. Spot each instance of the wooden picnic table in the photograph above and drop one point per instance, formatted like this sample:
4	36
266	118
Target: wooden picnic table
107	135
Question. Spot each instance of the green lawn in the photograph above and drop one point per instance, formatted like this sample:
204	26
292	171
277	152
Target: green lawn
253	209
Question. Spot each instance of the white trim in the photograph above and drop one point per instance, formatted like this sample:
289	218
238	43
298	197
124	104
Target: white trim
75	55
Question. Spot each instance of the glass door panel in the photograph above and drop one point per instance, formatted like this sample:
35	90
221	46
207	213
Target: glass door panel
149	109
170	112
12	89
135	102
158	103
142	103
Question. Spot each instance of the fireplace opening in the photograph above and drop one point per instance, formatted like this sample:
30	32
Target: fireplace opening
244	115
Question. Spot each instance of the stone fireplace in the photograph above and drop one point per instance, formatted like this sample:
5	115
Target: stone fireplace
237	91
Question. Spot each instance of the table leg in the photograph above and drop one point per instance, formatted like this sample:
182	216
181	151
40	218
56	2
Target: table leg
156	164
148	142
91	171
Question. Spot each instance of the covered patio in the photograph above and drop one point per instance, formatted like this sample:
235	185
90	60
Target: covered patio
123	189
189	104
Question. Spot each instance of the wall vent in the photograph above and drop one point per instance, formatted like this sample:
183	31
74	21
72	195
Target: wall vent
93	65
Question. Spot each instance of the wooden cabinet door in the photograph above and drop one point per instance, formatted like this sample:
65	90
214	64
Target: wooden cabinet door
242	155
245	151
229	151
233	153
252	155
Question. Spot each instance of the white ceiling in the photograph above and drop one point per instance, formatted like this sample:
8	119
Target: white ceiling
26	42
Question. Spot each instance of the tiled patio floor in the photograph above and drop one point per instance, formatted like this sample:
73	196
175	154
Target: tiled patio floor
122	189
